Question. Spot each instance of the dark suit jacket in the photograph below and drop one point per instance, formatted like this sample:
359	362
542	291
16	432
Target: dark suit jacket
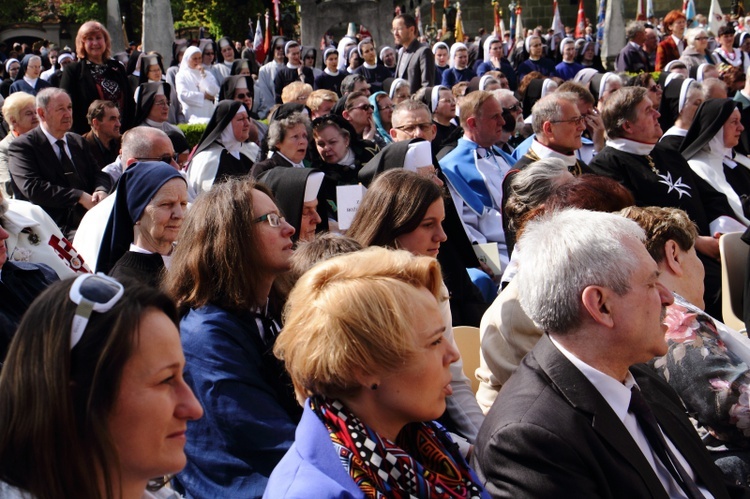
37	175
632	59
103	156
287	75
551	434
419	64
272	162
666	52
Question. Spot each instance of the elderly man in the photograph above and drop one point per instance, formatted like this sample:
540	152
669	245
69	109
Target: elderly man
412	119
578	418
649	46
104	137
558	126
475	172
416	63
141	143
658	177
54	168
632	58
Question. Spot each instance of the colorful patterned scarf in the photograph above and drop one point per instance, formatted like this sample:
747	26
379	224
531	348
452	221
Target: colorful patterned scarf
423	463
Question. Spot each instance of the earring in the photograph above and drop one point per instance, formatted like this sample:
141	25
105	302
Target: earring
374	386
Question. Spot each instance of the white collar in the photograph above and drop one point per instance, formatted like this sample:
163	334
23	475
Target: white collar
329	72
634	44
675	130
52	140
631	146
545	152
615	393
30	81
295	165
370	66
289	65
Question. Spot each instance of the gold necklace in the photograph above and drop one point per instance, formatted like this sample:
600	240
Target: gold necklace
651	164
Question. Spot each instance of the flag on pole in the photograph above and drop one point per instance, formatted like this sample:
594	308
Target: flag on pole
260	53
496	14
267	40
715	17
418	17
512	29
459	29
690	12
600	24
557	25
640	11
649	9
581	21
277	17
519	24
445	24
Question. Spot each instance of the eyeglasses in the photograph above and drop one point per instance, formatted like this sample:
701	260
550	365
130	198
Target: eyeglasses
92	293
577	120
701	38
243	96
447	100
410	129
161	103
655	88
387	107
364	107
273	219
515	107
167	158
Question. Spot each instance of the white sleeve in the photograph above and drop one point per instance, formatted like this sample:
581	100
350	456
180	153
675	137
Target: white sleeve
209	85
187	92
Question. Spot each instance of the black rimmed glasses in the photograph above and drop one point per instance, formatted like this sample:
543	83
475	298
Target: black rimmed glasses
167	158
576	121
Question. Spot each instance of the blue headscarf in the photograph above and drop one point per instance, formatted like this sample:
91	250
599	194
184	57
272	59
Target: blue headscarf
376	115
136	188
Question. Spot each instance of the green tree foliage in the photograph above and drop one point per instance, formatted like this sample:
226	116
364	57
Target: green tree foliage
80	11
219	17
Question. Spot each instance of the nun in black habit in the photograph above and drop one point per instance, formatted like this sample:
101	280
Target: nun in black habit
298	195
241	88
708	149
680	101
149	208
221	153
149	114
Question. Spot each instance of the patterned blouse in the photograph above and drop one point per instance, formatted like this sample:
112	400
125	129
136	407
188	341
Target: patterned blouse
712	380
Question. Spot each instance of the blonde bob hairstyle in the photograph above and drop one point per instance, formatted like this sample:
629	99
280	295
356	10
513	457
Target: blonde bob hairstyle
353	314
87	29
14	104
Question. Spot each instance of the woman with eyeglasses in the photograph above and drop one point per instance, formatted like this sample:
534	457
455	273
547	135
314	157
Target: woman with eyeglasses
404	210
239	244
224	150
141	233
696	52
107	414
646	80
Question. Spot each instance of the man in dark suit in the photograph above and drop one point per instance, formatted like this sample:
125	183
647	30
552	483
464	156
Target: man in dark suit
578	418
416	63
53	168
632	58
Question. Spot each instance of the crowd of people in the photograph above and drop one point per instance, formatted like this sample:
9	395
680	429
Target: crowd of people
270	312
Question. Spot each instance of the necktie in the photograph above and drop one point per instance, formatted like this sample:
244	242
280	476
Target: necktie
639	407
69	168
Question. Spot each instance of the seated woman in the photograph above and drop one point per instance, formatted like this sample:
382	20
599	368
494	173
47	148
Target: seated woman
404	210
708	147
150	70
141	232
707	362
397	89
152	102
297	192
108	412
587	56
382	113
242	89
287	139
238	244
680	101
655	89
389	377
223	151
19	111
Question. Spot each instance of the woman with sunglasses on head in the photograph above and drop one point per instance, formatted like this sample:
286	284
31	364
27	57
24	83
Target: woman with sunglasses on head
404	210
108	412
365	347
238	245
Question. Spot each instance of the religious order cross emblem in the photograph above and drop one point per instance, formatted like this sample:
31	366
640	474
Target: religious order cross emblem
676	185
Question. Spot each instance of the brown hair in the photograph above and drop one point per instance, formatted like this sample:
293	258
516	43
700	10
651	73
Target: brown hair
97	109
581	91
670	18
218	260
395	204
622	106
89	28
472	104
662	225
55	402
